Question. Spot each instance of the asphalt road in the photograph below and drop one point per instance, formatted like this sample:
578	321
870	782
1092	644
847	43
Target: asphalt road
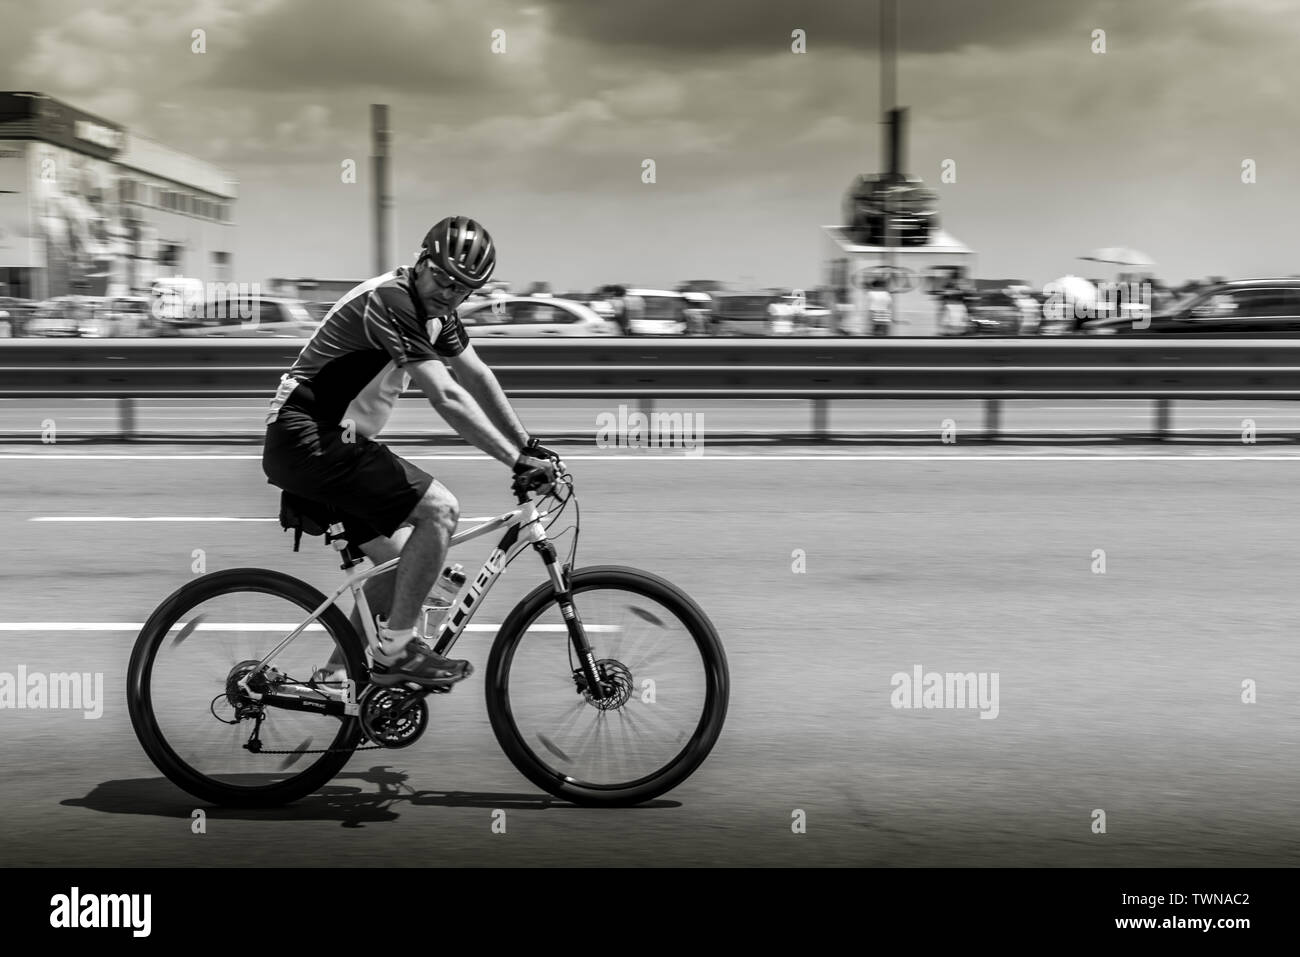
1119	691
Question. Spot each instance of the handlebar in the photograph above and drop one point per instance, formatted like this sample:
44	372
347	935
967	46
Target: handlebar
532	479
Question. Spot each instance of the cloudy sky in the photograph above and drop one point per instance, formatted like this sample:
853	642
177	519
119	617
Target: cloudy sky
1057	149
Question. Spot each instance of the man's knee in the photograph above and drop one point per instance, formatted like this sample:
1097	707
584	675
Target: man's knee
438	506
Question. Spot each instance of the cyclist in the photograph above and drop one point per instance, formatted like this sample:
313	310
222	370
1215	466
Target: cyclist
320	438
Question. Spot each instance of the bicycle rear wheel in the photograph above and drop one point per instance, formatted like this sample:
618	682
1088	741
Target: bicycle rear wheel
197	725
656	648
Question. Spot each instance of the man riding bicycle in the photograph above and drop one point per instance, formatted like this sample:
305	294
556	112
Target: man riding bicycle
392	330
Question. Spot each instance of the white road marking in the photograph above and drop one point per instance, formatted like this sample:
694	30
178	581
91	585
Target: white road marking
759	433
1008	456
148	518
29	626
176	518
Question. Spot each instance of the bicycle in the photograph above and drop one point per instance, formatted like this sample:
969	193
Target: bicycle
275	704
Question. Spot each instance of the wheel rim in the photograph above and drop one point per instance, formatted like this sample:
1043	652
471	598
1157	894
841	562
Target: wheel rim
191	676
658	677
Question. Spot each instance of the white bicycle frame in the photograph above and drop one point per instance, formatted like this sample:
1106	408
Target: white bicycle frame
523	528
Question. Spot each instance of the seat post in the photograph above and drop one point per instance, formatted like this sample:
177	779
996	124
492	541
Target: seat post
349	557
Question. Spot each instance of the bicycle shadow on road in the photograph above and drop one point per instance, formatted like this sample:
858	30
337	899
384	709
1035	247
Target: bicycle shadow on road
351	806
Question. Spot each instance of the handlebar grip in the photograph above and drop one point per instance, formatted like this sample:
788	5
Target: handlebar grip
526	481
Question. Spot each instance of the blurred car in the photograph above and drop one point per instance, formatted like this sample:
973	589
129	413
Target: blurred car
741	313
114	316
58	317
17	313
1246	308
662	312
255	317
521	316
992	313
129	315
807	314
597	302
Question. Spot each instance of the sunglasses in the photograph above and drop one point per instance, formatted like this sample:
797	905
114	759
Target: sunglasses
444	281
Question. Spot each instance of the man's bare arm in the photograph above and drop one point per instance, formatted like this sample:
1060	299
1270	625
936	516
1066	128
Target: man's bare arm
458	406
481	382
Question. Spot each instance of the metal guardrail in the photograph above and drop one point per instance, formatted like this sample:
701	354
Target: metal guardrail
819	370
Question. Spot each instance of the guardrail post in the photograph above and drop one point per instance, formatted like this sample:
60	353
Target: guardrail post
1162	419
992	418
126	417
646	405
821	423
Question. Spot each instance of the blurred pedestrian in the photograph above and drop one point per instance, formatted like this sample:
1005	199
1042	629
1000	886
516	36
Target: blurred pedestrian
953	318
780	318
617	299
697	313
1030	311
634	309
880	307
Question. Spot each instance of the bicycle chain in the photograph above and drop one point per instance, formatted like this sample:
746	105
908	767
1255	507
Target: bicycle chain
360	747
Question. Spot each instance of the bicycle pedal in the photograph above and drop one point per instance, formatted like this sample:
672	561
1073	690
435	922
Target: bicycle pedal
419	689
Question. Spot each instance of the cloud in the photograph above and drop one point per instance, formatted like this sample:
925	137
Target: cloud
440	48
721	27
742	129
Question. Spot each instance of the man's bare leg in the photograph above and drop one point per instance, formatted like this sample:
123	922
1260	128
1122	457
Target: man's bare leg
379	589
422	545
433	521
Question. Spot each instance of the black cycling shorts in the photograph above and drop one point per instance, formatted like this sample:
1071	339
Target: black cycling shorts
374	489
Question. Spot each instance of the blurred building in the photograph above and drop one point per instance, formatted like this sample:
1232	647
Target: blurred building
890	234
90	208
913	273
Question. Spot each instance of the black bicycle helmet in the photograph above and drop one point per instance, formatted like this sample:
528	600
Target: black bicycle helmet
463	249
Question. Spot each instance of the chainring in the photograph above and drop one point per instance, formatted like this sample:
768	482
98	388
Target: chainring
393	717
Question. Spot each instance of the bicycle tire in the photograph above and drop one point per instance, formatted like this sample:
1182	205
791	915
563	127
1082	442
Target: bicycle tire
139	692
687	760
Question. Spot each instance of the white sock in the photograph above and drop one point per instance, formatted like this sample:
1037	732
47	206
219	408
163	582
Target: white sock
393	639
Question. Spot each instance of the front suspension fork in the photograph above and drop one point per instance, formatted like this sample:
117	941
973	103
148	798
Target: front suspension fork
572	621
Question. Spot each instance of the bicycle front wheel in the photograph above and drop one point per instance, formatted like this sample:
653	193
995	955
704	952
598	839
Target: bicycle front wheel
204	732
654	647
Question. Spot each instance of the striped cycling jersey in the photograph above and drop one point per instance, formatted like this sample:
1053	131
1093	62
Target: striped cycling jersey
354	366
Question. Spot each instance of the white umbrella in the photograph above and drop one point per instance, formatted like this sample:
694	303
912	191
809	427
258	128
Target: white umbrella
1073	289
1120	256
1069	298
